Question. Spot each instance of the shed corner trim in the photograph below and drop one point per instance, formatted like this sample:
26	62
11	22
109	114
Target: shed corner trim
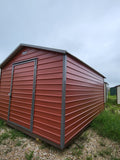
62	138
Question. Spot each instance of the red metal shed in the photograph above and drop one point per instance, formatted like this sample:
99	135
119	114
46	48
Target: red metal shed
49	94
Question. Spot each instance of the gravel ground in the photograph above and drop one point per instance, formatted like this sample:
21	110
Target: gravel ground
88	146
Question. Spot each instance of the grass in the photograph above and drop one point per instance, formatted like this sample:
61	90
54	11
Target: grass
2	123
89	158
12	133
104	153
15	133
76	151
29	155
107	124
102	143
113	158
4	136
112	101
18	143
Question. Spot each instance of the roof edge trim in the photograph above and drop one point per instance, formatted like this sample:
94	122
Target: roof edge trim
86	64
42	48
31	46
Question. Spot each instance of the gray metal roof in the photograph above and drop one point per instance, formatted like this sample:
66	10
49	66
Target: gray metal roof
42	48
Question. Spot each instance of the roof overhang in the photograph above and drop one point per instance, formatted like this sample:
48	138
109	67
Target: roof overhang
42	48
30	46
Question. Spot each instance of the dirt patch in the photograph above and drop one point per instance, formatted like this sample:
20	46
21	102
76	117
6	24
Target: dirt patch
88	146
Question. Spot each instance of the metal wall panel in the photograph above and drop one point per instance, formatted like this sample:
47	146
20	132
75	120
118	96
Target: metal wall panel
20	111
48	100
4	92
84	97
72	86
48	93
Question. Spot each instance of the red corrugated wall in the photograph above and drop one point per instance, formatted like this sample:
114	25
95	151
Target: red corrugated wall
48	96
4	90
84	93
84	96
22	88
47	115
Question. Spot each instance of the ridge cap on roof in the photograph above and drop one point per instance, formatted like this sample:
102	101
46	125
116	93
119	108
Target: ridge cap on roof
44	48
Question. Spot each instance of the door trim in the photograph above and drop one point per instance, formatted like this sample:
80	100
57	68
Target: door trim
33	92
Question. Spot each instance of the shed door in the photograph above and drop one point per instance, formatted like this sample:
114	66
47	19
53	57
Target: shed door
22	94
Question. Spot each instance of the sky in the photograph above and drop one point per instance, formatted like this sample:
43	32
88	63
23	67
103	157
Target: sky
88	29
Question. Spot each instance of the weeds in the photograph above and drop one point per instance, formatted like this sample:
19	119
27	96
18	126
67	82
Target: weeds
4	136
24	145
76	151
107	123
2	123
113	158
29	155
45	145
89	158
14	134
8	150
102	143
83	137
112	101
103	153
18	143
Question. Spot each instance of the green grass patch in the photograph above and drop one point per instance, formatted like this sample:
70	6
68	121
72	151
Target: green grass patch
112	101
113	158
105	152
4	136
2	123
18	143
29	155
102	143
11	133
76	151
107	124
15	133
89	158
7	151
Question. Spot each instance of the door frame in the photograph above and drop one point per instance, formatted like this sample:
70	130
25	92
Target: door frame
33	92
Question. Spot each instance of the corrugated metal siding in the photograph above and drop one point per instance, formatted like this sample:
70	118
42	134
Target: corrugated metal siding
84	94
6	80
4	90
47	115
84	97
48	96
21	100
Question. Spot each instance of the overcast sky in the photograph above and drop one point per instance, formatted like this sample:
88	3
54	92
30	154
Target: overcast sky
88	29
